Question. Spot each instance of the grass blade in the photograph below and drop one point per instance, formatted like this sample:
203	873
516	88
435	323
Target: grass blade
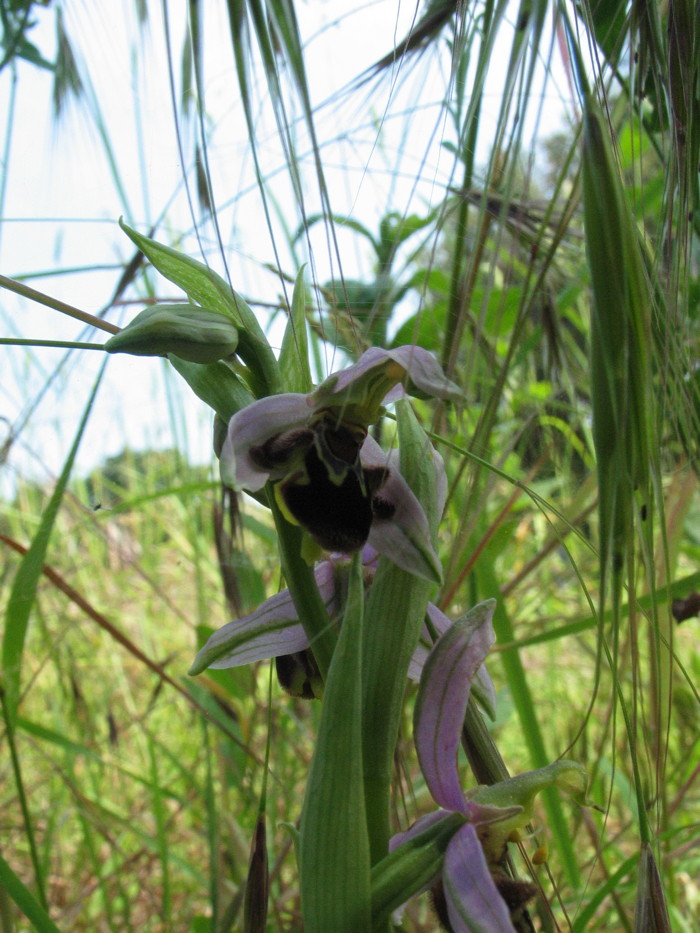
23	594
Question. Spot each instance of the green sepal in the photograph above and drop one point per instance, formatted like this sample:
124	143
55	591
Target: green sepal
216	384
520	791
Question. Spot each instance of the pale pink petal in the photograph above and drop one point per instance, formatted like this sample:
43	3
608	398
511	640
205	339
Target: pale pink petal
442	701
336	382
252	427
473	902
425	372
440	623
420	366
272	630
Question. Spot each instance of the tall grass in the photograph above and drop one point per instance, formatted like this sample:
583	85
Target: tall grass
556	281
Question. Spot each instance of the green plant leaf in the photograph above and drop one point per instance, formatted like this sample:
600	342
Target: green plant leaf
25	900
334	845
395	612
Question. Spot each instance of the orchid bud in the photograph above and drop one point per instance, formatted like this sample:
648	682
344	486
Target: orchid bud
188	331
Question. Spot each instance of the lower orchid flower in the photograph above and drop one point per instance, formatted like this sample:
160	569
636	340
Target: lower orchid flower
476	896
273	630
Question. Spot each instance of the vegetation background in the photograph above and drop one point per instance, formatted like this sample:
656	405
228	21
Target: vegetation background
428	192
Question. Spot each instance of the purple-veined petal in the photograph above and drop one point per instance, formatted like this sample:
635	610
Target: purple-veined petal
272	630
442	701
482	685
252	427
374	358
417	662
484	691
404	537
473	902
427	826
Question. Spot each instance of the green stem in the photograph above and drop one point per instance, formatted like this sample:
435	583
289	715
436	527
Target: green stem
26	291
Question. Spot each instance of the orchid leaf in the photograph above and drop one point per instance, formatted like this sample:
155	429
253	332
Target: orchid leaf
442	701
334	846
395	613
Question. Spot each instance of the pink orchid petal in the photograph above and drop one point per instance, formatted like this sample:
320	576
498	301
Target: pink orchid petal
421	367
442	701
251	427
272	630
484	691
425	372
473	902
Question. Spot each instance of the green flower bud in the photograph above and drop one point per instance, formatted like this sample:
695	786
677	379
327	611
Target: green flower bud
190	332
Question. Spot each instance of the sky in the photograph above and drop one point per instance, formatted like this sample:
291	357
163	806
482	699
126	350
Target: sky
63	197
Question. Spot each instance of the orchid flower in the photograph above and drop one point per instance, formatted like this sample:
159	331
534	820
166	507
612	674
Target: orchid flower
329	476
478	896
273	630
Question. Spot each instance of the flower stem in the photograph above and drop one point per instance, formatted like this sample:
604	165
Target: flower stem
302	585
58	344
